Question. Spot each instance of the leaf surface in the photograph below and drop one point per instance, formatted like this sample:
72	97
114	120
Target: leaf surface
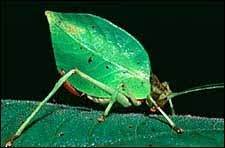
58	125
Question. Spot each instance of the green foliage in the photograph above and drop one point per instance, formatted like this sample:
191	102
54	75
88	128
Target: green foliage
58	125
101	50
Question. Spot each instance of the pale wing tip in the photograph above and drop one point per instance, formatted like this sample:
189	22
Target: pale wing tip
48	13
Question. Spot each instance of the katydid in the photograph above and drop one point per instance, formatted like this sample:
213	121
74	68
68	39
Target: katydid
107	64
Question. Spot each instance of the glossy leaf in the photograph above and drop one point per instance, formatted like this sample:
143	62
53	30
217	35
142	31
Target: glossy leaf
58	125
100	49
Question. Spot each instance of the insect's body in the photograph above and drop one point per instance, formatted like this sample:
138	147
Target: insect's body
102	101
159	91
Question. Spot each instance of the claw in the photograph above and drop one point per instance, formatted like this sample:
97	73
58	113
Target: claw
101	118
10	142
153	109
178	130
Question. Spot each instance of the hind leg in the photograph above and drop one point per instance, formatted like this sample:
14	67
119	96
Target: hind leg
69	87
119	97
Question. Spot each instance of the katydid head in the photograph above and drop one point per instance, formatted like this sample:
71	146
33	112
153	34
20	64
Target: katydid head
159	91
162	93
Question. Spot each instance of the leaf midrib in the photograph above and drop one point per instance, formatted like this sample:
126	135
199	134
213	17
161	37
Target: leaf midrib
130	71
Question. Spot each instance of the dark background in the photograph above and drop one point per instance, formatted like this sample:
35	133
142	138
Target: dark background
185	42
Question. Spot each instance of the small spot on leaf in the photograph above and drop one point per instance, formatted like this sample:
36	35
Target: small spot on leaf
61	134
150	145
124	72
107	67
93	26
90	59
122	85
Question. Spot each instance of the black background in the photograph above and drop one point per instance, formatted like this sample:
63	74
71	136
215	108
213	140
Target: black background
185	42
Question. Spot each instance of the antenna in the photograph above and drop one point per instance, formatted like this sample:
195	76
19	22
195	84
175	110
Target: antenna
195	89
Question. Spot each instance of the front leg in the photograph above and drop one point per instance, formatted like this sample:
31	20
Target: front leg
165	84
171	123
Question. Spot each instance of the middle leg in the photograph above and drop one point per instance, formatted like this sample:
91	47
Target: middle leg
113	99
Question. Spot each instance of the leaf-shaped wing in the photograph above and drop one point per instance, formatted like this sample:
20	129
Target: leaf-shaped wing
100	49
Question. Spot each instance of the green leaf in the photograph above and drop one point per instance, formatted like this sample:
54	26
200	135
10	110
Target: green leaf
100	49
60	125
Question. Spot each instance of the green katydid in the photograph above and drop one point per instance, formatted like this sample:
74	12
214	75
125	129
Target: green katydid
108	65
